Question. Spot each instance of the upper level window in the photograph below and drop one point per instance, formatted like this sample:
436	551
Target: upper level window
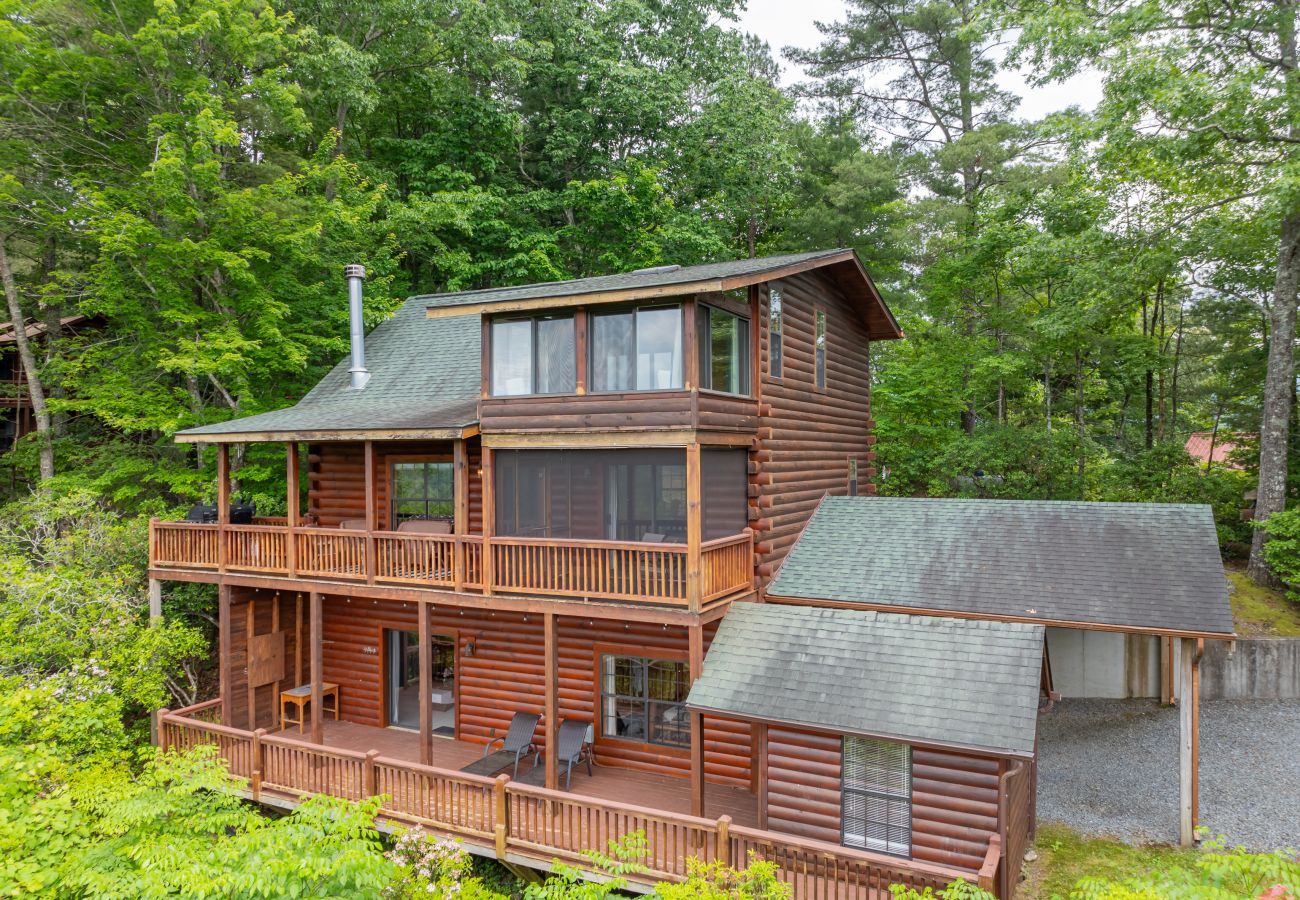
533	356
637	350
643	700
876	795
819	345
724	351
775	333
422	490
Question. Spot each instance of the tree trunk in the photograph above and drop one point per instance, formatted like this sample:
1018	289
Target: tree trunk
1149	385
35	389
1279	386
1080	430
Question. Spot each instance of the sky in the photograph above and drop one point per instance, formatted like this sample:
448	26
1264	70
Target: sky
784	23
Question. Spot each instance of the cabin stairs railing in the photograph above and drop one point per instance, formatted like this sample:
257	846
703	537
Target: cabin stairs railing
613	570
532	826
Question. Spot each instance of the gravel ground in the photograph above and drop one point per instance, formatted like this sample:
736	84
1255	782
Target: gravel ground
1110	767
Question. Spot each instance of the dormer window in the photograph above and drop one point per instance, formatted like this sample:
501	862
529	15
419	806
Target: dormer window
637	350
533	356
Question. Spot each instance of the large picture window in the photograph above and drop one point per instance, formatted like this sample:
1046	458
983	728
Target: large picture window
724	351
533	356
422	490
637	350
876	796
643	700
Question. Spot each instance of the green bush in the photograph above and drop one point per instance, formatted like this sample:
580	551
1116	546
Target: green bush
1282	552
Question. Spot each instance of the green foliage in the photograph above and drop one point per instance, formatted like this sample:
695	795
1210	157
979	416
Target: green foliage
1282	552
1217	874
759	880
958	890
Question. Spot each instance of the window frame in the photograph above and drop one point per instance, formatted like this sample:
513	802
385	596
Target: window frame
775	334
634	311
648	655
393	462
704	350
534	358
862	841
820	343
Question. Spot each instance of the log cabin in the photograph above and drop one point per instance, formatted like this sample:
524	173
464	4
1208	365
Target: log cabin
562	507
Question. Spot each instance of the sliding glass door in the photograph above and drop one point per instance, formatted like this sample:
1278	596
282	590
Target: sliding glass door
402	649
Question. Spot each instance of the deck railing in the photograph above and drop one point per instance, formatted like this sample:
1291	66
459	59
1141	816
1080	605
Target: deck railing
530	823
615	570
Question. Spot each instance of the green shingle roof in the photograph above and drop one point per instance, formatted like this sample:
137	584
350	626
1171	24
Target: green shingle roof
1122	565
424	375
919	679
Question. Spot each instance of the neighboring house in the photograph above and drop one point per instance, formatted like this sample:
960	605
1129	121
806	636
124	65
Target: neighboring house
556	506
16	417
1216	448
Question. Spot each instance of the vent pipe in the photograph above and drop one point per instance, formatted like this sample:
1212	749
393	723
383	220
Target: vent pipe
355	274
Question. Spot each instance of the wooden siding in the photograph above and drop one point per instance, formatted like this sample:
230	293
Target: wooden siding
503	676
954	796
337	479
807	435
632	411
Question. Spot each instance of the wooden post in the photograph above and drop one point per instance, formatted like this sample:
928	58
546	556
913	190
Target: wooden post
297	642
370	511
293	498
223	502
1166	670
724	840
370	775
460	523
223	649
276	686
250	616
551	714
317	616
693	526
1196	734
255	775
1186	743
695	643
759	776
500	814
581	322
697	763
489	521
426	687
160	728
155	601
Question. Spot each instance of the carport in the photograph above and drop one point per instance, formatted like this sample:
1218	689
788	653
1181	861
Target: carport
1135	568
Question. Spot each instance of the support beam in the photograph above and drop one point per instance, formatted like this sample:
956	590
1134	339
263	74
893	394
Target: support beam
317	616
693	526
223	651
293	504
426	687
1187	768
460	521
155	601
489	521
276	685
697	764
552	713
250	624
223	503
297	642
371	511
1196	733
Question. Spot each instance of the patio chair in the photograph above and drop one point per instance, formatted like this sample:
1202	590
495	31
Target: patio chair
517	744
571	747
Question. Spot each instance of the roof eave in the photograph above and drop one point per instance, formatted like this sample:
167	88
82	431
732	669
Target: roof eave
321	435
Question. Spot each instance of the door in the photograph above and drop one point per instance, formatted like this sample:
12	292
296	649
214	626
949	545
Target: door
403	681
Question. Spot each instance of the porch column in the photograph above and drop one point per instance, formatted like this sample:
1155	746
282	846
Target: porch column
370	512
693	526
155	601
489	520
695	640
1188	744
223	650
552	713
426	686
317	617
223	502
293	500
460	522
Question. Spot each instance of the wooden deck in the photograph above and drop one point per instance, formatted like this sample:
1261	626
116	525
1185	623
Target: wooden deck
524	825
608	783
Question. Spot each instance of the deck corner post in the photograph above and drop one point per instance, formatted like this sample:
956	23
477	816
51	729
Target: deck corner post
370	775
223	503
317	617
256	766
425	685
489	521
723	852
371	511
500	814
697	764
160	728
293	508
987	878
694	562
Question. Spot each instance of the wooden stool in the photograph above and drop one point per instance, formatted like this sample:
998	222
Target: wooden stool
300	697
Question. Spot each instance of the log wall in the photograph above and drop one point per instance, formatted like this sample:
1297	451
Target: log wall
807	435
504	675
337	479
954	796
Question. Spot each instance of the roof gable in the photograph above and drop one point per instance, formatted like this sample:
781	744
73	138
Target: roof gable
1125	566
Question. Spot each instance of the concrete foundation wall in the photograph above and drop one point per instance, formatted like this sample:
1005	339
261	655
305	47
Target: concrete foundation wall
1251	669
1103	664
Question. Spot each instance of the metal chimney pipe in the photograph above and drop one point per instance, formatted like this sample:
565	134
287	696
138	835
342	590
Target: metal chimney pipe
355	274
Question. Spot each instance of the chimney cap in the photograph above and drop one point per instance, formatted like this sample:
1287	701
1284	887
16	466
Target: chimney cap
355	270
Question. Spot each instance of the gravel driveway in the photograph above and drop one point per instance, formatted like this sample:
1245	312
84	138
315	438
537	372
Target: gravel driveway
1110	767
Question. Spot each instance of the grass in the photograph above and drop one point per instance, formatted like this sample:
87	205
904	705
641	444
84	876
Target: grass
1065	856
1261	611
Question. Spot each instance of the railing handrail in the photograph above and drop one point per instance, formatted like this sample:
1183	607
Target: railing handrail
483	781
259	528
727	541
212	727
657	815
186	711
644	546
879	860
289	743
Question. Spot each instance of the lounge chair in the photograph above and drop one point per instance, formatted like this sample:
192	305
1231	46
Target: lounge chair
517	744
571	747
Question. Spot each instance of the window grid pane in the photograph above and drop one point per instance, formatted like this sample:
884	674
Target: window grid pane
643	700
422	490
876	804
775	334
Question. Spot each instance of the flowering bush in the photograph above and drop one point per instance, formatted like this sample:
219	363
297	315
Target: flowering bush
433	866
